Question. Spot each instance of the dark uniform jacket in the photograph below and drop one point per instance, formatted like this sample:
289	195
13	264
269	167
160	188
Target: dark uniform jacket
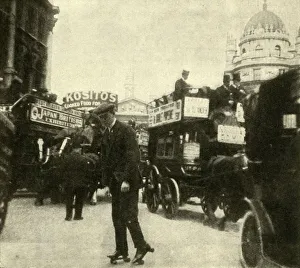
180	89
222	96
237	93
122	155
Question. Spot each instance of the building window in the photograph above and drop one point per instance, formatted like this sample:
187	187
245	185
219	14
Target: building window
41	29
30	20
257	74
165	147
278	51
258	50
38	75
243	51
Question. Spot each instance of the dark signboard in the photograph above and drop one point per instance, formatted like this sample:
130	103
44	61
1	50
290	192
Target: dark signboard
54	117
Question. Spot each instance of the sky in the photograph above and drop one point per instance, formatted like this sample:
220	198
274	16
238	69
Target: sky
97	44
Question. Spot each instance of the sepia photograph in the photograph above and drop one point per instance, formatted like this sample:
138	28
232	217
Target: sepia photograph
162	133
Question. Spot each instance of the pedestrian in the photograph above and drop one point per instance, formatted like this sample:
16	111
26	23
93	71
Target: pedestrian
121	158
181	86
76	168
223	95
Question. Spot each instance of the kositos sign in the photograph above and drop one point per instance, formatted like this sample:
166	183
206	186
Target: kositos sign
88	99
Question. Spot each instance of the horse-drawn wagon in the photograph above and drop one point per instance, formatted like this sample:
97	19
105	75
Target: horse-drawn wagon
195	150
37	120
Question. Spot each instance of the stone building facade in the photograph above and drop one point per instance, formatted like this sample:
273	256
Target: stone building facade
132	109
264	51
25	32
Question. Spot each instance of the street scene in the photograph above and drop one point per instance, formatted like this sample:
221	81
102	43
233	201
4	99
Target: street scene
40	237
149	133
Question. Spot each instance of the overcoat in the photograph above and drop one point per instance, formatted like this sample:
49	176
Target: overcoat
122	155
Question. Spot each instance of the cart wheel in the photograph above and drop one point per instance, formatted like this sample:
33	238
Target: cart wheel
205	202
152	192
3	210
251	253
170	198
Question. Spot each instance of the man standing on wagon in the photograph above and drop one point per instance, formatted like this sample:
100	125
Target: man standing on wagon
121	159
238	93
181	86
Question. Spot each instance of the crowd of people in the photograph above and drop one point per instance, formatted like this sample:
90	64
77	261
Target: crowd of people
228	94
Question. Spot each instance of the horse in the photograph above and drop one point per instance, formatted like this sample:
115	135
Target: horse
61	146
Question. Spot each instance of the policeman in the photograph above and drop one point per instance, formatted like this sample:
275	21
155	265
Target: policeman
121	160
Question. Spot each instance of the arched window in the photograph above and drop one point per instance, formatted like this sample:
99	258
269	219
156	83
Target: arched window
277	50
258	50
258	47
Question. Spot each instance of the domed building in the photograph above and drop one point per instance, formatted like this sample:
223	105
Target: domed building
265	50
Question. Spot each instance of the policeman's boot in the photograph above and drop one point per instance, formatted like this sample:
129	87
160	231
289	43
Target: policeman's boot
140	254
117	255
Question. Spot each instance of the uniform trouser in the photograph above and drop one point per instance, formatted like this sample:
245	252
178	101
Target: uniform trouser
79	194
125	215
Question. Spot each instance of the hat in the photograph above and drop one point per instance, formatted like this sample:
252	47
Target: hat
185	71
226	78
104	108
236	77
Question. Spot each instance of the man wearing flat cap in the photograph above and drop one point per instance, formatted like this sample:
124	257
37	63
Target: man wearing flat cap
121	160
181	86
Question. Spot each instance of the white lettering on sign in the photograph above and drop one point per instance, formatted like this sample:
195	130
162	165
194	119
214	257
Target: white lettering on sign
231	134
239	113
81	99
45	115
196	107
165	114
289	121
5	108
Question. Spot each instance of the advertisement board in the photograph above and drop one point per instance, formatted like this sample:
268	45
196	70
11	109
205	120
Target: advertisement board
5	108
196	107
142	138
231	134
88	99
54	117
165	114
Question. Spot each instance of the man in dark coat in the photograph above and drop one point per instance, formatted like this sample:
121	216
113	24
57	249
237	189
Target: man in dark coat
181	86
223	94
121	161
238	93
